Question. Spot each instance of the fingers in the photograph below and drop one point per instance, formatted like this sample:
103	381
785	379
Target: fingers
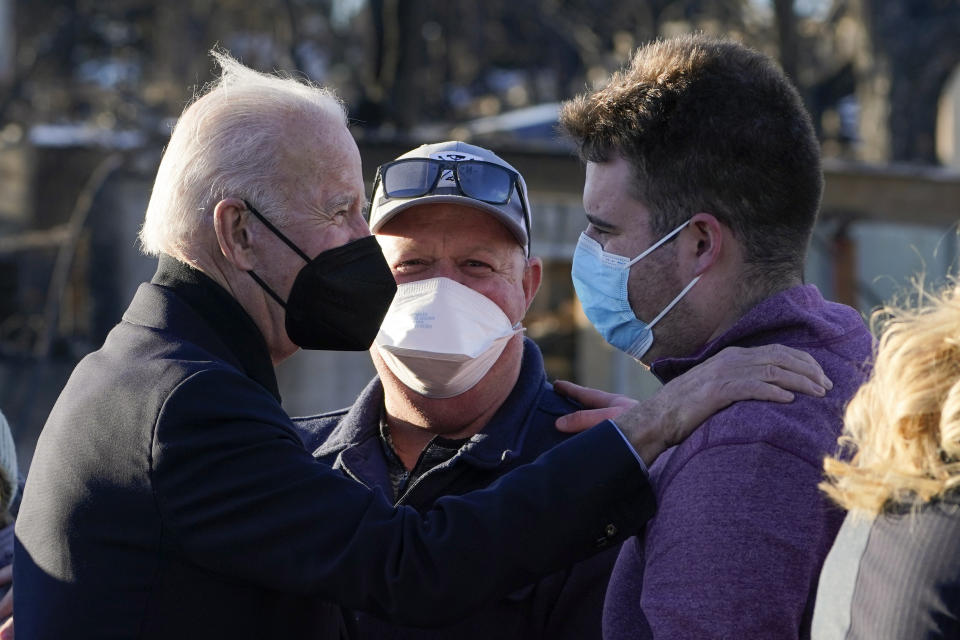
769	373
600	406
753	389
583	420
783	366
588	397
785	380
787	359
800	363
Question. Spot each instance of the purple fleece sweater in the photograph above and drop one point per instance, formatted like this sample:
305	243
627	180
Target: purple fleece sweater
741	529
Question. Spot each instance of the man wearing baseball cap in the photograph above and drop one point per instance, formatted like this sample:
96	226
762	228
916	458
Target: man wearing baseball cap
461	396
170	494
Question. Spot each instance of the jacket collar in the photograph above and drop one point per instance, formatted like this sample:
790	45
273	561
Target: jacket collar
355	440
214	318
793	317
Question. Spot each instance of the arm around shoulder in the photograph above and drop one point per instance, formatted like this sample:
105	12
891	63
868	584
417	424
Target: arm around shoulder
242	497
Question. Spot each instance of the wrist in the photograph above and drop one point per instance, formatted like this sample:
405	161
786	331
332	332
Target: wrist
645	439
648	446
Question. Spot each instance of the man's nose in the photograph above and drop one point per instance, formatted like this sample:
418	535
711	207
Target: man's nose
359	228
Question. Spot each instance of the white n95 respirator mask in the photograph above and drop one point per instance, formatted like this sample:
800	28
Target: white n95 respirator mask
440	337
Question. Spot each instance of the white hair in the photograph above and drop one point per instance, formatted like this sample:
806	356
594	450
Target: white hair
230	142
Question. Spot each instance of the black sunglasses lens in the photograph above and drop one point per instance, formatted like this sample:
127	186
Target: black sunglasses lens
486	182
410	179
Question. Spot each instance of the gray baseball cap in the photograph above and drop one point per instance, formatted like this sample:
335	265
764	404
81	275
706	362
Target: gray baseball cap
511	214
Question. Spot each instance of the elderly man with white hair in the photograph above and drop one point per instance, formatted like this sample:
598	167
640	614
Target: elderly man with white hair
170	495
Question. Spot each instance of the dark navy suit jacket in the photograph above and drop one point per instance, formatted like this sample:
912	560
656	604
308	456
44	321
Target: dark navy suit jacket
170	496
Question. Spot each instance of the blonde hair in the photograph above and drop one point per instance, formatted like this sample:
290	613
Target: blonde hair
232	141
903	426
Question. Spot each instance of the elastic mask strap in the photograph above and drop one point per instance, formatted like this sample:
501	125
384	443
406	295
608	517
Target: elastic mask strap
277	233
268	289
658	243
286	240
526	213
674	302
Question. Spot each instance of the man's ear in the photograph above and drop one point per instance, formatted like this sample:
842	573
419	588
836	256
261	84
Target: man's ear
707	243
230	220
532	274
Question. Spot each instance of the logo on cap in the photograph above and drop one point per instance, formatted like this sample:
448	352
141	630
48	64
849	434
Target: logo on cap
446	176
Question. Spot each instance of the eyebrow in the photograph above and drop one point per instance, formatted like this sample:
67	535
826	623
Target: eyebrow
339	201
336	202
600	222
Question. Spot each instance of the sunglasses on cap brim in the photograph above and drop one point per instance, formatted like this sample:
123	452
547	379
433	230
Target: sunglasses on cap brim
476	179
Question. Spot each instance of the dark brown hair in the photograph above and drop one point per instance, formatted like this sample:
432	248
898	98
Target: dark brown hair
713	126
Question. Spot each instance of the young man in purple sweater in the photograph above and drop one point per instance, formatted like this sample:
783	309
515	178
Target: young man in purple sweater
703	184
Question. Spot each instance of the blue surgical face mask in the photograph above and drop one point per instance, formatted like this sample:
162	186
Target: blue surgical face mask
600	279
